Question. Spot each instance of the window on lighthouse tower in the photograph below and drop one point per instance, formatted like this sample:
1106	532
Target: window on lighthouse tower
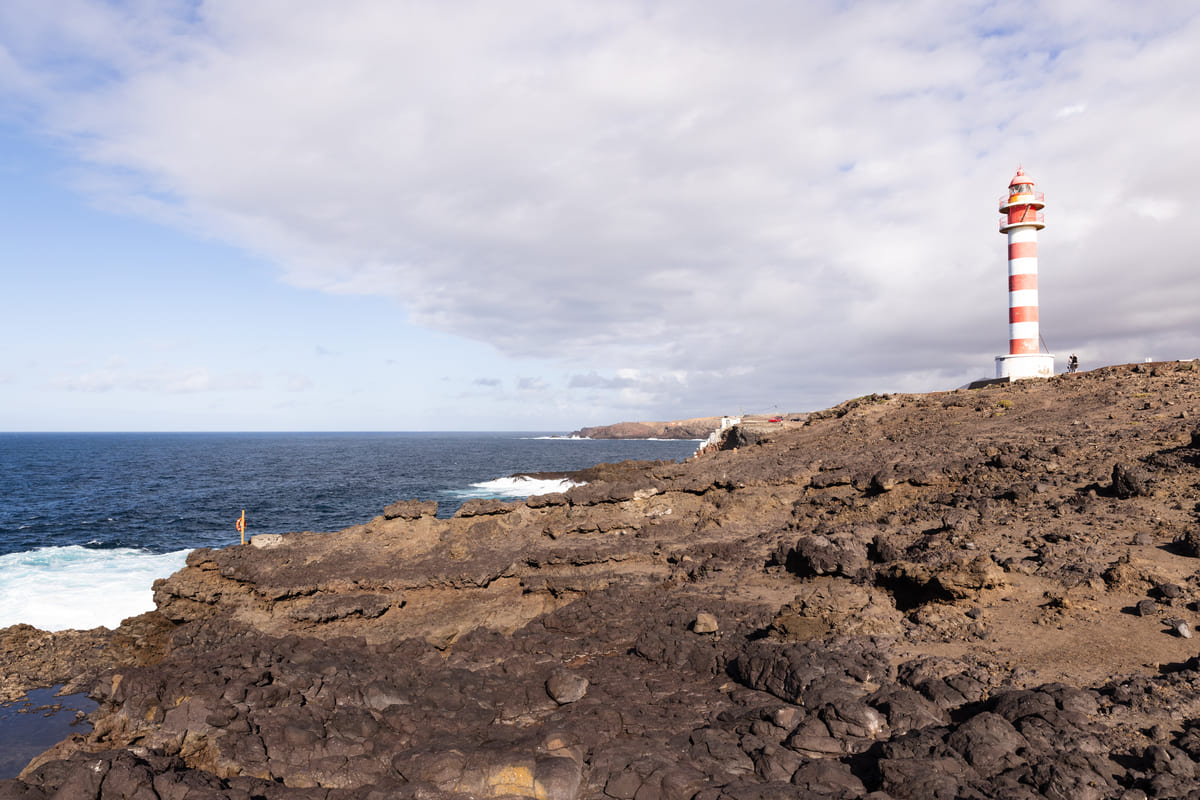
1022	188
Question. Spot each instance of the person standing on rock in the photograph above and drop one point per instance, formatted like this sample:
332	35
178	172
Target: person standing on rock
1073	363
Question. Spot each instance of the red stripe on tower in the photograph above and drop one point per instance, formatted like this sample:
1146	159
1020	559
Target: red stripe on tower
1017	283
1022	250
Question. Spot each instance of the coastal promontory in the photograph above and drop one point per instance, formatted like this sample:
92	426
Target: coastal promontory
696	428
987	593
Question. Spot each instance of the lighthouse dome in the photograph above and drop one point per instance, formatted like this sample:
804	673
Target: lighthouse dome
1020	179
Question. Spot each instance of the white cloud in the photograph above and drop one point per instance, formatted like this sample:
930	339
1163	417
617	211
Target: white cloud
104	380
801	193
1162	209
594	380
158	380
297	383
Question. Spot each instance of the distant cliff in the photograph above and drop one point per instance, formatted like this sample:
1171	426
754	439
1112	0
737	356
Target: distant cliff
698	428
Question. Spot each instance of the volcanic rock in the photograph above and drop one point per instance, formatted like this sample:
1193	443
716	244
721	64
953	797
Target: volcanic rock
1129	481
410	509
566	687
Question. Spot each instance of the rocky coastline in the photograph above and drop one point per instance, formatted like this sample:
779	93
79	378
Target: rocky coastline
981	593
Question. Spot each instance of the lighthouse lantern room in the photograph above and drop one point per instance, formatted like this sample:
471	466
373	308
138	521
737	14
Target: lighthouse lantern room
1021	218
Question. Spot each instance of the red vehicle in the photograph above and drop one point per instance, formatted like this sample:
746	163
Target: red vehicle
775	419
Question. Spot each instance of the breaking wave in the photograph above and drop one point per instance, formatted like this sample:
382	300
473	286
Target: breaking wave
559	438
77	587
515	487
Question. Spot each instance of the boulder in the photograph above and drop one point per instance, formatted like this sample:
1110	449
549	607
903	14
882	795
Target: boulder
565	686
410	509
842	553
1130	481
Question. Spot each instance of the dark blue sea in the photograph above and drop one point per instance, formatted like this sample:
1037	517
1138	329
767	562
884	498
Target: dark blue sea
88	521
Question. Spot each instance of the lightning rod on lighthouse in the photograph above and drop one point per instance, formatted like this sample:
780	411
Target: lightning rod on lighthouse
1022	218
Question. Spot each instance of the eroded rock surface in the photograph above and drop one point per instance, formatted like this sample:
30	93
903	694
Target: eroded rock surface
969	594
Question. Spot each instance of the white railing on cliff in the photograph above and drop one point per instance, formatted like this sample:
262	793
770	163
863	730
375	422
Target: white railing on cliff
714	438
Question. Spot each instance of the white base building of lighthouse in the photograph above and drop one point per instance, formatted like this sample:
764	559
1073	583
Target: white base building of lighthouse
1016	366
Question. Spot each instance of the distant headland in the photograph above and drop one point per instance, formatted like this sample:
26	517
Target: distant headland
696	428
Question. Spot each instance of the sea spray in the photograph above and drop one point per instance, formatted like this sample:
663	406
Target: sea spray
515	487
77	587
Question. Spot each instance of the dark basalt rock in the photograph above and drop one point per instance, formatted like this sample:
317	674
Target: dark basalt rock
743	436
1130	481
601	492
812	673
545	500
1188	542
836	554
830	779
988	742
328	609
484	506
566	687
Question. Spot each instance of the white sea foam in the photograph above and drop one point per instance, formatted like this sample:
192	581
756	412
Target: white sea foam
515	487
560	438
590	439
59	588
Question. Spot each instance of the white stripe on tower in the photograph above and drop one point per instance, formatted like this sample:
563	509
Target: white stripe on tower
1022	291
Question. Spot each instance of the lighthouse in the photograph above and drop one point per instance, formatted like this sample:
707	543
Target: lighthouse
1021	217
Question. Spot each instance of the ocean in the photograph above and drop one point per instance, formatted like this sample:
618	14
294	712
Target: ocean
88	521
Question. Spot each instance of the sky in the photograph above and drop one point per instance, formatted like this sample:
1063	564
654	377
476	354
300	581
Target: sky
546	214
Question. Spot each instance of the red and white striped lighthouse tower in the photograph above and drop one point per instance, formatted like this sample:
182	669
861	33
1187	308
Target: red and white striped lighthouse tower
1022	218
